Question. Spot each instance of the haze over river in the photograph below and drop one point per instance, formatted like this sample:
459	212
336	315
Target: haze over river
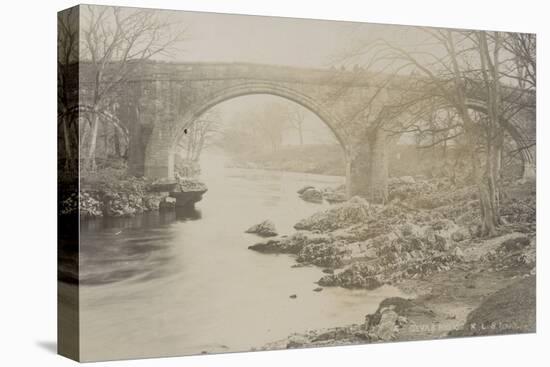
186	283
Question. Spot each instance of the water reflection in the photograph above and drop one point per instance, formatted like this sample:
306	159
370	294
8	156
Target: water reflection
118	249
187	213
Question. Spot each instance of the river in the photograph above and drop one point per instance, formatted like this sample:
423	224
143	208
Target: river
185	283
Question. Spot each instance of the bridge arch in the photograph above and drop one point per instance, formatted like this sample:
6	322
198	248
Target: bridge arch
160	149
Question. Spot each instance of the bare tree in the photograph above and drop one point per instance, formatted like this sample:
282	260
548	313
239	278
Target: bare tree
114	41
296	118
523	47
200	135
67	58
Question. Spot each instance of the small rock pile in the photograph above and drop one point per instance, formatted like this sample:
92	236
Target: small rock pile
90	206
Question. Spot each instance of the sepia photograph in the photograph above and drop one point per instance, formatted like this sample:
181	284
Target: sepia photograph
236	183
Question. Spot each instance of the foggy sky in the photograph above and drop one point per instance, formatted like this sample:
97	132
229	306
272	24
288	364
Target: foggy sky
214	37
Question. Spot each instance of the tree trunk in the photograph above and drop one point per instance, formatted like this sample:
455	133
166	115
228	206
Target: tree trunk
67	141
369	169
377	176
489	219
495	135
93	140
116	141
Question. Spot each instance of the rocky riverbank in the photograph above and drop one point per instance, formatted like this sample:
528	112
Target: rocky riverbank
119	195
426	242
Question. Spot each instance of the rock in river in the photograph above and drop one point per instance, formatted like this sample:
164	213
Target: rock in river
304	189
312	195
264	229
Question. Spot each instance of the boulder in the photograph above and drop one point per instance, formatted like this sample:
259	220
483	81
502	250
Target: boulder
297	341
189	185
441	243
385	327
515	244
457	252
270	246
312	195
335	197
402	321
263	229
460	235
288	244
304	189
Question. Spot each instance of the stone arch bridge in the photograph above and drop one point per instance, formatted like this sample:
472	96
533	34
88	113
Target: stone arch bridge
162	99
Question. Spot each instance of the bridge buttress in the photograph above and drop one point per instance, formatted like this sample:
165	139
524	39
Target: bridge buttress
368	167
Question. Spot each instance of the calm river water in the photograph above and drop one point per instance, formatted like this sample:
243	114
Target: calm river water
185	283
